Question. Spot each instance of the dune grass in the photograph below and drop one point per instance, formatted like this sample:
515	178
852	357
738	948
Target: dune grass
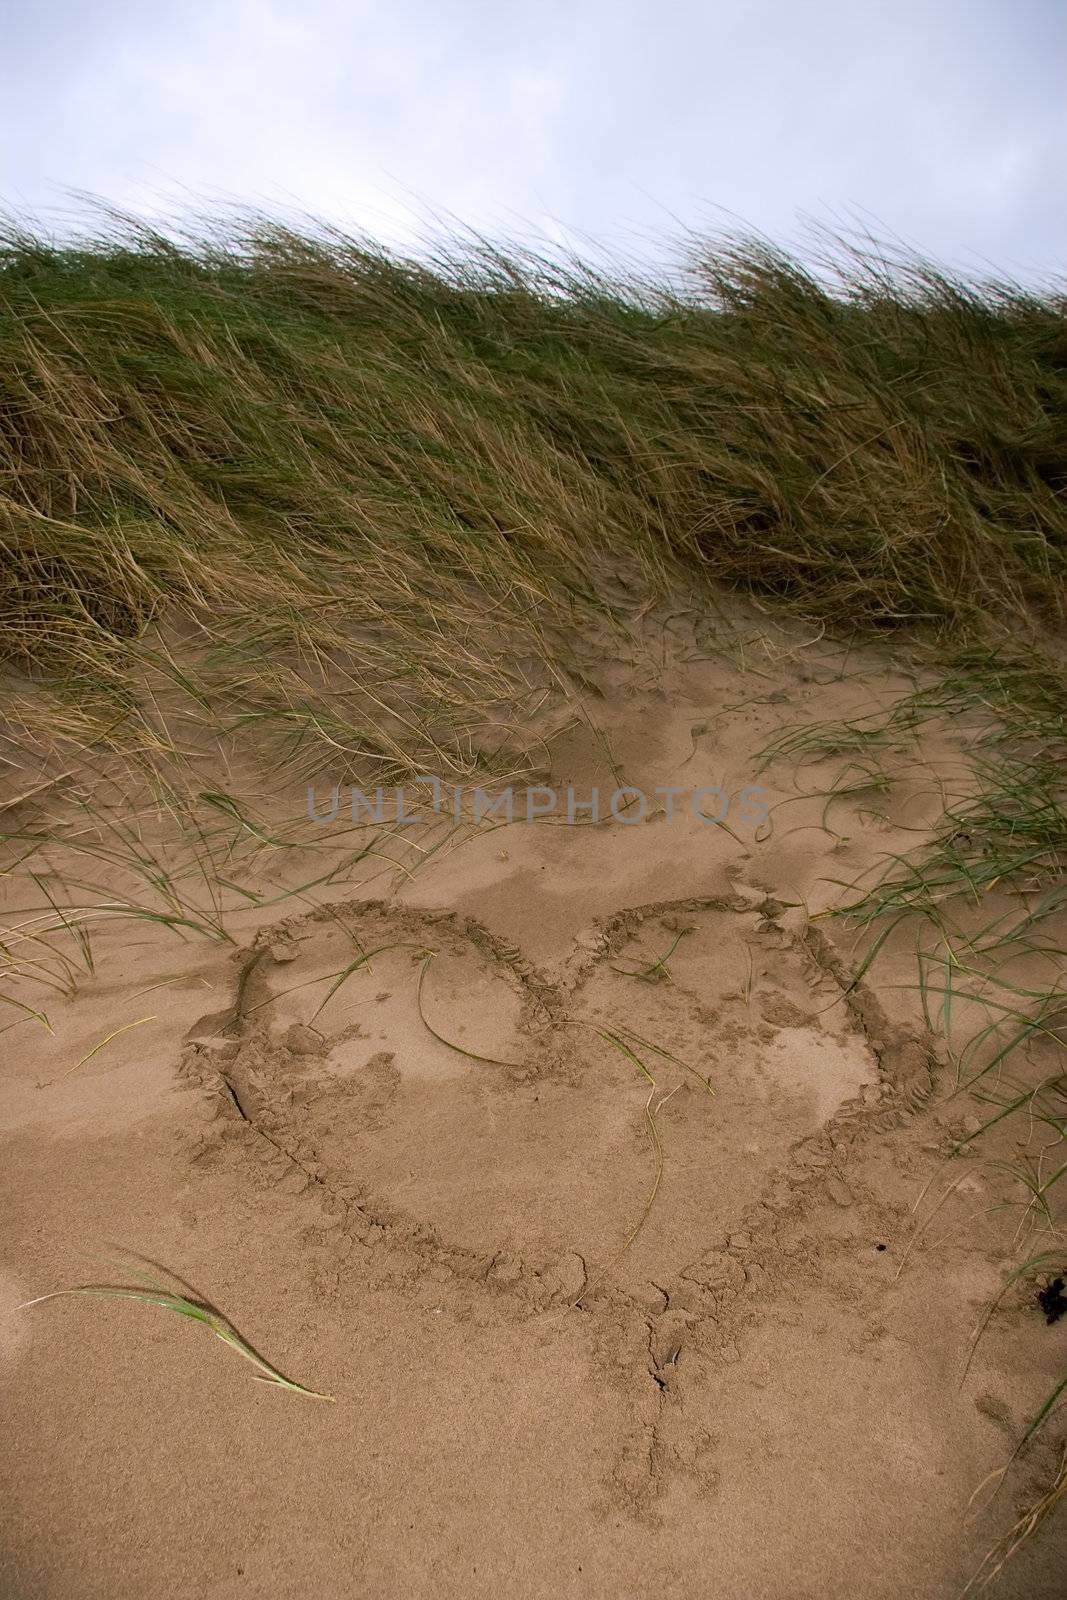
346	504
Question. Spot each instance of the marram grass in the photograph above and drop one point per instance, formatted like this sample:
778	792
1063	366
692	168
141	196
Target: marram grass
344	504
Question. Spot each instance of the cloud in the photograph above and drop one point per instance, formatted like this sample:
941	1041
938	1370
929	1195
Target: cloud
617	120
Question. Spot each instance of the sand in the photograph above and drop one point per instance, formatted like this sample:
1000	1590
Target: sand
587	1333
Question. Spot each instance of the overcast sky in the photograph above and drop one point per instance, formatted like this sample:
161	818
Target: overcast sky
945	121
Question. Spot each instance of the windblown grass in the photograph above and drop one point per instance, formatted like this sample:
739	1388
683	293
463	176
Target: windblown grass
346	504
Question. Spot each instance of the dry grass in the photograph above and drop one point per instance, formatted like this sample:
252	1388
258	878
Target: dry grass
347	504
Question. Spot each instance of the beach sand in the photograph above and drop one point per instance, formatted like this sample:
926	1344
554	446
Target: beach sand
648	1282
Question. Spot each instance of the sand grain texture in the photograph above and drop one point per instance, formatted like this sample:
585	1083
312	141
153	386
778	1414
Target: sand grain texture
749	1399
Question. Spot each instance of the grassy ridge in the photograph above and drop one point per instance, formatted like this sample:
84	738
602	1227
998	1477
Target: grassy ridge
385	484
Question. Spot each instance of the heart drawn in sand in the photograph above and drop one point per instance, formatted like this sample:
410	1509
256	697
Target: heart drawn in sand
608	1122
